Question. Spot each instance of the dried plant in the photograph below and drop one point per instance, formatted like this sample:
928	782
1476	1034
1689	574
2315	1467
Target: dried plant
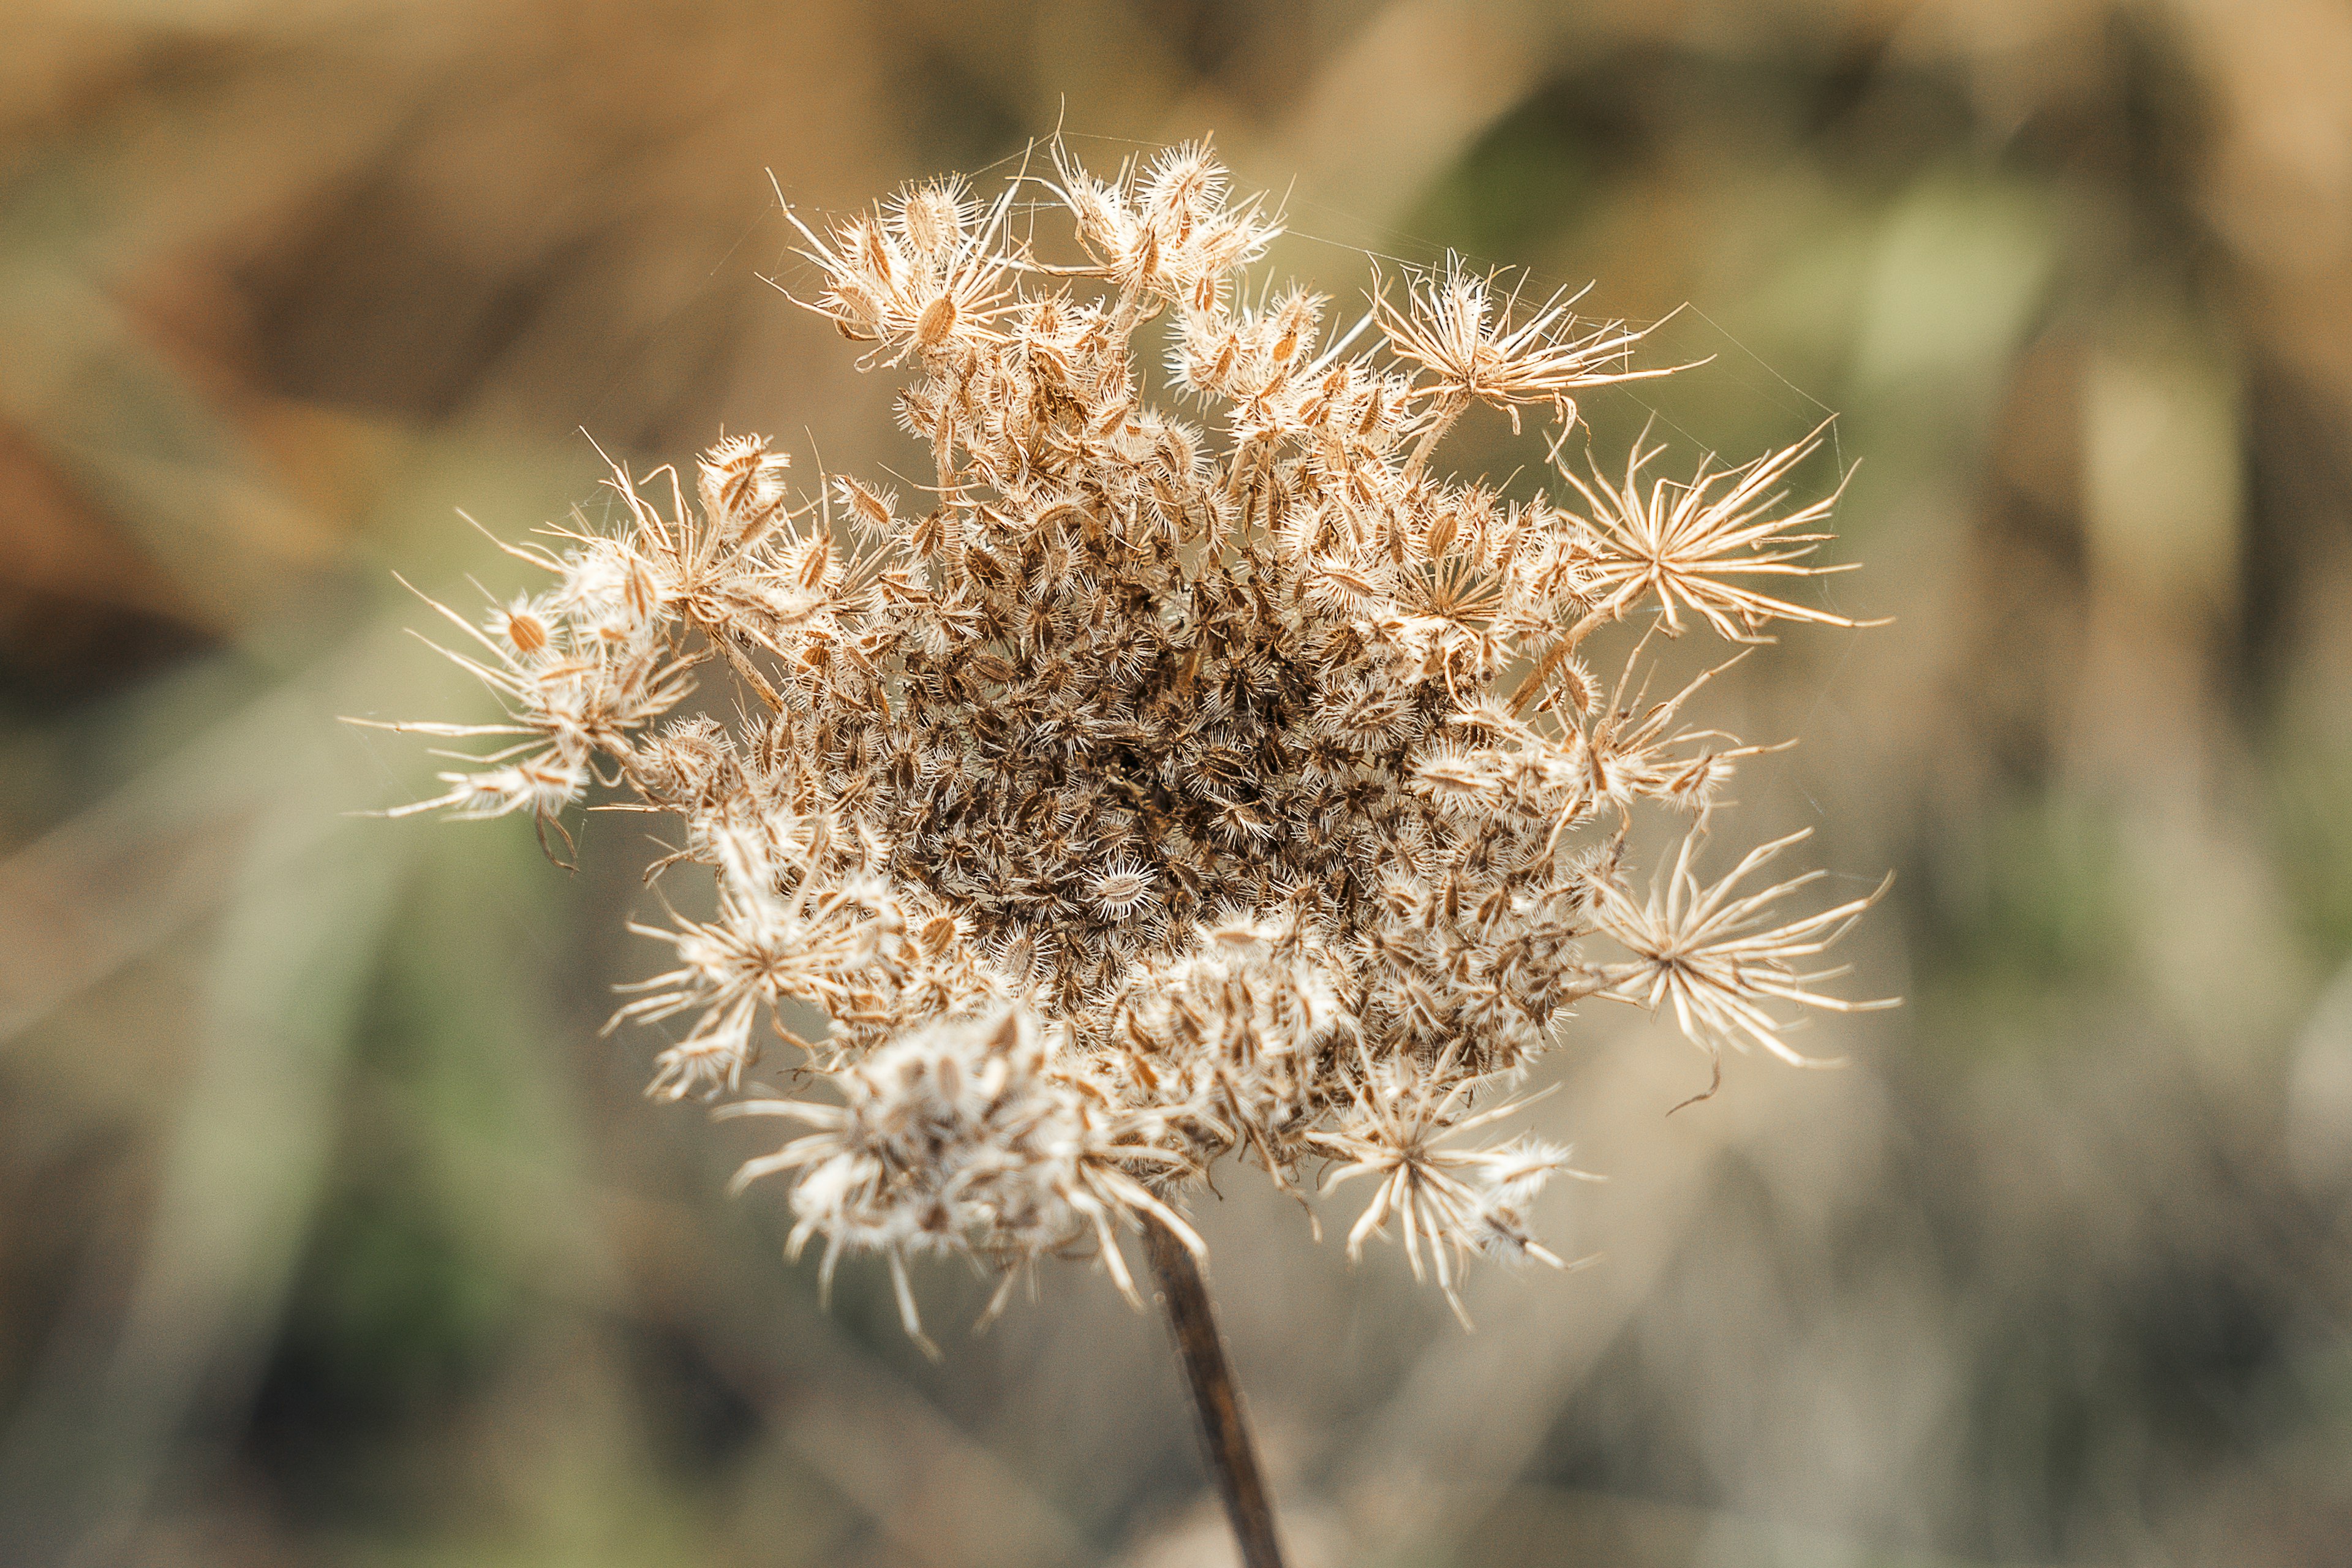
1146	789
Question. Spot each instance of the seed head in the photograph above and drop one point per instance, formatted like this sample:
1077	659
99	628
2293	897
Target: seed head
1155	789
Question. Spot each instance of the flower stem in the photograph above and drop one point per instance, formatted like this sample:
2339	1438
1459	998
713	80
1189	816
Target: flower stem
1216	1400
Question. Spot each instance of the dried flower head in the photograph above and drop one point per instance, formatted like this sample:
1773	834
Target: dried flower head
1160	784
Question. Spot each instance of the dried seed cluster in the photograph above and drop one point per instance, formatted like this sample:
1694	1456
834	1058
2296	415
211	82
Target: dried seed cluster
1145	788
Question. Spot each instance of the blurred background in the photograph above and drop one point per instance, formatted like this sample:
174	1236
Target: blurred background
333	1233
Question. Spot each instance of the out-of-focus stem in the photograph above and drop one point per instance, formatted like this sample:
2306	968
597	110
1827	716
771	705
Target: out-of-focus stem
1216	1400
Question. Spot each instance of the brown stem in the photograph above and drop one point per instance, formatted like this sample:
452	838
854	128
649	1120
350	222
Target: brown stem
1224	1430
1450	407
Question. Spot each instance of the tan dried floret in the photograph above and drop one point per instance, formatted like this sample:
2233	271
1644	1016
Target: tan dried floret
1141	792
1700	948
